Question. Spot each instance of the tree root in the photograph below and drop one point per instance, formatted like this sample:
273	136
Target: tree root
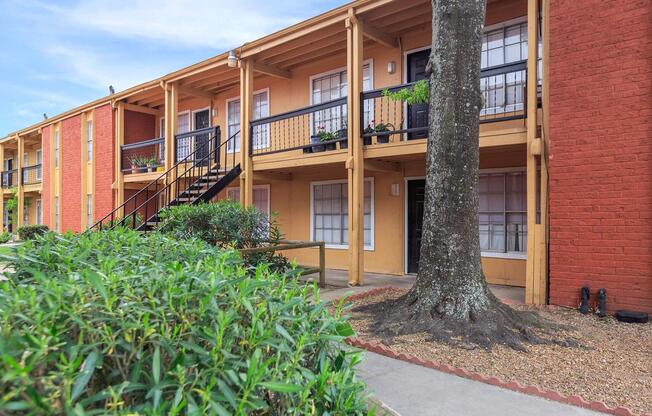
494	324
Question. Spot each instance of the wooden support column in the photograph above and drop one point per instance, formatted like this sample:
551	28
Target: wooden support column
171	127
355	160
543	234
534	281
246	113
20	194
119	141
2	197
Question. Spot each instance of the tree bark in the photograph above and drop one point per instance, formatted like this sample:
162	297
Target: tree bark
450	299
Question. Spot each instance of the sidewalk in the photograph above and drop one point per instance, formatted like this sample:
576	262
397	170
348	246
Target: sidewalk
412	390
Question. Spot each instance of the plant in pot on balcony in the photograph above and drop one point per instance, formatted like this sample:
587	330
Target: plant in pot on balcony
152	163
138	164
343	133
328	138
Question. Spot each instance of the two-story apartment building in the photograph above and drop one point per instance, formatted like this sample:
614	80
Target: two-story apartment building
297	123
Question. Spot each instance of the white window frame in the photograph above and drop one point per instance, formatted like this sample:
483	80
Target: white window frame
190	123
57	147
370	247
24	173
369	62
39	161
39	212
268	187
57	222
90	136
236	149
26	213
89	210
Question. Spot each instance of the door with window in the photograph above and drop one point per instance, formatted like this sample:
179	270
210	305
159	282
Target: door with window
7	180
201	120
183	144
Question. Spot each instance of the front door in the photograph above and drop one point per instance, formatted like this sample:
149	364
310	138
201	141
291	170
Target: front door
416	191
202	120
417	113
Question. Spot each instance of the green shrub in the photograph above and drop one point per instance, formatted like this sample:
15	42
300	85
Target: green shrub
112	322
29	232
225	224
5	237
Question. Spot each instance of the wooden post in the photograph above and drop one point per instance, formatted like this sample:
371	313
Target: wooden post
20	195
171	127
2	198
246	113
119	141
355	160
543	235
533	276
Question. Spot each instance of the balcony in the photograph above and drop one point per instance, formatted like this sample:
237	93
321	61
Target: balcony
143	156
9	179
32	175
322	128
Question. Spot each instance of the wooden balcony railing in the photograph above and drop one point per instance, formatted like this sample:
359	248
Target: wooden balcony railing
32	174
323	127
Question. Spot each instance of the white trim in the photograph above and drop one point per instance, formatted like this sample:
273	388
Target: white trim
369	179
508	255
369	62
237	98
192	117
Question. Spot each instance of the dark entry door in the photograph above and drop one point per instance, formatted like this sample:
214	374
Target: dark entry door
202	120
416	191
417	113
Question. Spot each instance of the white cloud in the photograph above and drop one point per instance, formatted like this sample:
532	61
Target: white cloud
200	23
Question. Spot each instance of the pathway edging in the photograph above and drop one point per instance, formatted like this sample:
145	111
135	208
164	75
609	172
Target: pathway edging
531	390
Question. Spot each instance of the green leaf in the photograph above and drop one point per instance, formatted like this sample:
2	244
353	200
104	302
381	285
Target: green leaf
282	387
156	365
284	333
85	373
344	329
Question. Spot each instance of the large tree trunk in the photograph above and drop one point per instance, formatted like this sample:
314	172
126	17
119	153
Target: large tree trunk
450	281
450	299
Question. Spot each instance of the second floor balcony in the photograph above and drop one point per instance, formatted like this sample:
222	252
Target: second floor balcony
32	175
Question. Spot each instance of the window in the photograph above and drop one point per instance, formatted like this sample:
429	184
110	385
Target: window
183	144
56	213
26	212
39	163
261	197
331	86
503	212
39	212
25	164
89	140
329	208
89	210
260	134
504	93
56	148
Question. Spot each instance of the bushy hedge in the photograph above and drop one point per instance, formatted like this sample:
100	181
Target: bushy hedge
29	232
5	237
225	224
112	322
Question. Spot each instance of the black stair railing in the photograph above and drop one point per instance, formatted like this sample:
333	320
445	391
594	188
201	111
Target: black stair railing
187	181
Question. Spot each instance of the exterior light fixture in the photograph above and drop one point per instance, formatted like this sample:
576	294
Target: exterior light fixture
391	67
232	60
395	190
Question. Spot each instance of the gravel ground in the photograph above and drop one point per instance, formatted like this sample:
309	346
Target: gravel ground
614	364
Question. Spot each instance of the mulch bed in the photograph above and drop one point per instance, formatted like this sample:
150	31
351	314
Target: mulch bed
613	364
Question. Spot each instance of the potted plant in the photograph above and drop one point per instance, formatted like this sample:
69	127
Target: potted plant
383	132
343	133
152	163
328	138
138	164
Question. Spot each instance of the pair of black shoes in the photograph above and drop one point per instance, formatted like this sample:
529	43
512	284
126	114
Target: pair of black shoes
602	302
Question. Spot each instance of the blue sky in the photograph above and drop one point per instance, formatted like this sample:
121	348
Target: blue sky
60	54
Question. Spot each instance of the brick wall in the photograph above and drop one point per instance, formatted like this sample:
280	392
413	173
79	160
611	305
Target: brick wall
601	151
139	126
47	180
70	201
104	161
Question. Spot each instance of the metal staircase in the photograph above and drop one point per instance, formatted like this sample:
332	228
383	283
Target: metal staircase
197	177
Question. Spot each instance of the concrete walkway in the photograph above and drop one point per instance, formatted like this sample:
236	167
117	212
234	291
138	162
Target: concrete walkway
412	390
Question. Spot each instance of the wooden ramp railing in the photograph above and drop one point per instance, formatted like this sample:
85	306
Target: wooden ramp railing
292	245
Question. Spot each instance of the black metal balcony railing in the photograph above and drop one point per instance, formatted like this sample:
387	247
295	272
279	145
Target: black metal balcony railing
186	143
32	174
144	156
9	178
322	127
300	129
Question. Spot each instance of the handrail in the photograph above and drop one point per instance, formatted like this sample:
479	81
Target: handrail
144	143
207	157
153	182
299	112
194	133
